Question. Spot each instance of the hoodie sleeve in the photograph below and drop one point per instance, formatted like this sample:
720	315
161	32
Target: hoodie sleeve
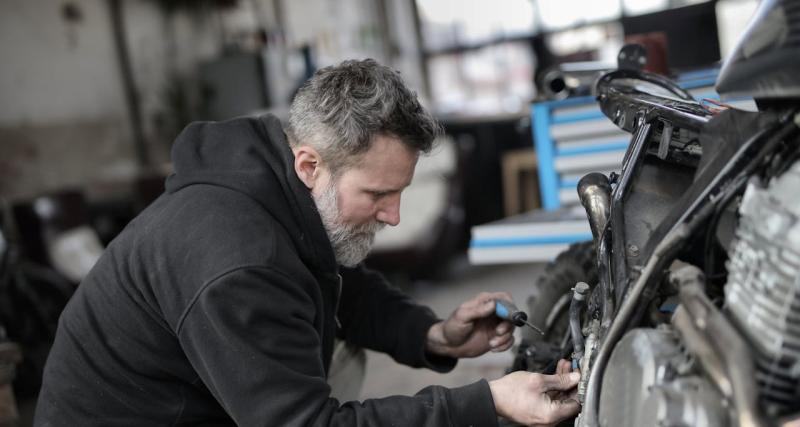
250	336
380	317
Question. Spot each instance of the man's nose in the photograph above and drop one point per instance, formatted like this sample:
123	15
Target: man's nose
389	211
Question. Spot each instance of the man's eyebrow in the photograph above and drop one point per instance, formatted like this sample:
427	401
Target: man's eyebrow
382	191
387	190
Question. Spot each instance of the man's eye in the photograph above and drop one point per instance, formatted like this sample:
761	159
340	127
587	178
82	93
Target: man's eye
378	194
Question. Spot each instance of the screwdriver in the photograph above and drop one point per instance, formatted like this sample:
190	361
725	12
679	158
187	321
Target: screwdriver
506	310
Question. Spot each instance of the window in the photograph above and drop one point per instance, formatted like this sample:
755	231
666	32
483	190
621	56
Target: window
451	23
496	79
558	14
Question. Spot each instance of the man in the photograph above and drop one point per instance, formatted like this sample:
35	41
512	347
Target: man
219	304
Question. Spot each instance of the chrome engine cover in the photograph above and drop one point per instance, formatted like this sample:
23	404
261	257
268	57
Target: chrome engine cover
651	381
763	291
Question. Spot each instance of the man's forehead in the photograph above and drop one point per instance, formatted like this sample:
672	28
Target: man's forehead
391	171
386	149
401	171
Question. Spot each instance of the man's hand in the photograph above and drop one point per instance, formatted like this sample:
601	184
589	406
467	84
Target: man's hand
472	329
536	399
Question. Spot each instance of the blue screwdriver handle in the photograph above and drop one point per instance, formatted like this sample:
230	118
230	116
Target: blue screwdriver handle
505	310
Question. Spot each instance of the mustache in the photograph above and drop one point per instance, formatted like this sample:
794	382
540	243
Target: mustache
371	227
358	230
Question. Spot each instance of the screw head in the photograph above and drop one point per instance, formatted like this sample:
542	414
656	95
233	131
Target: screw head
582	288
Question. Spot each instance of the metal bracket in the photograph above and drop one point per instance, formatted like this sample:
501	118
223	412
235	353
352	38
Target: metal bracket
666	137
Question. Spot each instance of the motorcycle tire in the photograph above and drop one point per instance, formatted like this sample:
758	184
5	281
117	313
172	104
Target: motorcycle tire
548	304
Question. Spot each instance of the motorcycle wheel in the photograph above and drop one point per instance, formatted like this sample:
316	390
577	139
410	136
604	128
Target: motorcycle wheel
548	304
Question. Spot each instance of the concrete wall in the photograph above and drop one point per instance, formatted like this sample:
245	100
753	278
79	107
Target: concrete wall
63	117
62	113
54	70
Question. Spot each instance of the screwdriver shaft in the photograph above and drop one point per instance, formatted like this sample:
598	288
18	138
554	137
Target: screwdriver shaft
506	310
534	327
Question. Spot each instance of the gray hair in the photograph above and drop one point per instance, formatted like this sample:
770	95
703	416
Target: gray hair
342	108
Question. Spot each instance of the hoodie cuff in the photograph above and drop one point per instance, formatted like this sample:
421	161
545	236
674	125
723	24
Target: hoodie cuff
472	405
434	362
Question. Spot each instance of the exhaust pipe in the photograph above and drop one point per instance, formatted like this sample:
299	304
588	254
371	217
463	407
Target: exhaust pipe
594	191
572	78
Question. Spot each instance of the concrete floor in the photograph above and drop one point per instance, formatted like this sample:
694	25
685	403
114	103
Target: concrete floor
385	377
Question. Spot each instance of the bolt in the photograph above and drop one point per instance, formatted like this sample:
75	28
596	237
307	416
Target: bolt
620	118
581	288
700	323
579	291
633	250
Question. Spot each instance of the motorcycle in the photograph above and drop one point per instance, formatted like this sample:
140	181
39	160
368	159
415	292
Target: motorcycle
684	310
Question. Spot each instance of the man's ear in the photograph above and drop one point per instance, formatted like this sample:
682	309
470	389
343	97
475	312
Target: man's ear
307	165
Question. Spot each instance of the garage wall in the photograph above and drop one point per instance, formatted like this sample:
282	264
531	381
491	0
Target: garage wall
54	70
63	115
62	103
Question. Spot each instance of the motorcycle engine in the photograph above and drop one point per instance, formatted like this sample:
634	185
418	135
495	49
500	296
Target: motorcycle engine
652	381
763	291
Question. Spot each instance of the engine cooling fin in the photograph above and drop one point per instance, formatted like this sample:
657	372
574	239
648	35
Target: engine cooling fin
763	291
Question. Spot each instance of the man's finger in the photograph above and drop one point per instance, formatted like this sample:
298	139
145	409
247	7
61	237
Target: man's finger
504	347
503	343
553	394
562	409
503	328
564	366
481	306
501	340
561	382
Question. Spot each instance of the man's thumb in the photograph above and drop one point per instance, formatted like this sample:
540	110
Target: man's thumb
562	382
478	311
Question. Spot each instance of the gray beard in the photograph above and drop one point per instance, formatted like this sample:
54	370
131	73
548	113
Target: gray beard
351	243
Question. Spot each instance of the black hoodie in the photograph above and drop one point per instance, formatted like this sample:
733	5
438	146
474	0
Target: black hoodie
219	304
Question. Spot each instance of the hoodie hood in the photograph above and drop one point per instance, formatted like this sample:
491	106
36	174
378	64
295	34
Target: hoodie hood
251	155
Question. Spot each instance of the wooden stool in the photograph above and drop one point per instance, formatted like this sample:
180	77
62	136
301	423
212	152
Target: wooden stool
520	181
